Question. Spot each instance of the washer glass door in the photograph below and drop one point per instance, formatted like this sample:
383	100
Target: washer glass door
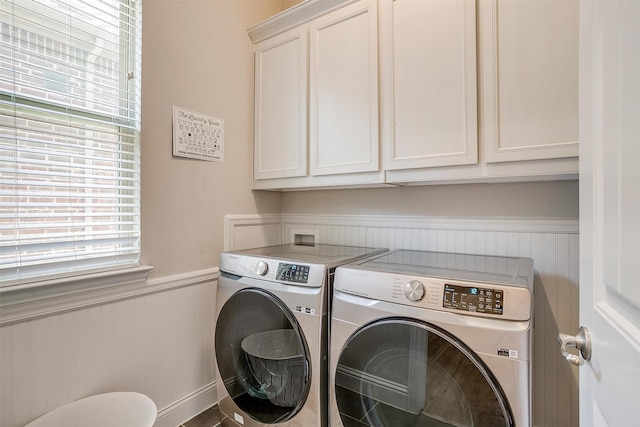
401	372
262	356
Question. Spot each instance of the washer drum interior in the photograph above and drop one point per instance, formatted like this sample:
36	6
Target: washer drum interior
277	363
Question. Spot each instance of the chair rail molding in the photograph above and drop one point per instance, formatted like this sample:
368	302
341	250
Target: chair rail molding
31	303
531	225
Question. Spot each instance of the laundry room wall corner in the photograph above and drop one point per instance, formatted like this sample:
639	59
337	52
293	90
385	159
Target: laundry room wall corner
251	231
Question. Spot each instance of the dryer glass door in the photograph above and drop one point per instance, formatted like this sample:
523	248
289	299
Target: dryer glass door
262	356
400	372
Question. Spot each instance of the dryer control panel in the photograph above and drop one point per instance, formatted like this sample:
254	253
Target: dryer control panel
502	302
473	299
493	287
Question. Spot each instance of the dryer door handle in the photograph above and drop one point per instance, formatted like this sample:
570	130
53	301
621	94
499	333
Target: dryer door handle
580	341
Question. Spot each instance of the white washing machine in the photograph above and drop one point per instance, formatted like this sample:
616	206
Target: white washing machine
432	339
271	335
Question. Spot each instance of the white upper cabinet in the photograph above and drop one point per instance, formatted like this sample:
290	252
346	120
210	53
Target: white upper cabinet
428	74
530	79
400	92
344	91
316	96
280	125
527	82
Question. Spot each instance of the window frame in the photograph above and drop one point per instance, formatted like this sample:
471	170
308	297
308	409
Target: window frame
126	122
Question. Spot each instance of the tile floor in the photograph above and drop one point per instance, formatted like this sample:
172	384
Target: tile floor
209	418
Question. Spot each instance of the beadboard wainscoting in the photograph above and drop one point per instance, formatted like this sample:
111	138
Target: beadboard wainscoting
553	244
154	337
251	231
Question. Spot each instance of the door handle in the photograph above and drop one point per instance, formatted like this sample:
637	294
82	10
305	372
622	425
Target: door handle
580	341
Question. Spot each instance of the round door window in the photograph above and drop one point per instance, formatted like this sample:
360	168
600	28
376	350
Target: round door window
262	356
399	372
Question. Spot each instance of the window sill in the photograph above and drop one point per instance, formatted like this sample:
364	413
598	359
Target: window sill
23	302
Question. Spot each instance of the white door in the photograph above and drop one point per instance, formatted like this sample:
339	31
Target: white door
610	211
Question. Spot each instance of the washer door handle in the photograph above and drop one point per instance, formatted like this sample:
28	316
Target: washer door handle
580	341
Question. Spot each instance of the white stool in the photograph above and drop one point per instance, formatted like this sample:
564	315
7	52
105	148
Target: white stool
117	409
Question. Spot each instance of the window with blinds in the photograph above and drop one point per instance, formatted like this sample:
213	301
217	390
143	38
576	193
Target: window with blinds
69	137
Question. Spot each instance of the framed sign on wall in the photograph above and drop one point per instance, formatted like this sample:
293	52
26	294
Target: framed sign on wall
197	135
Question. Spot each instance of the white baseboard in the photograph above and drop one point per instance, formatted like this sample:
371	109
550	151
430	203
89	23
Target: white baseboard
184	409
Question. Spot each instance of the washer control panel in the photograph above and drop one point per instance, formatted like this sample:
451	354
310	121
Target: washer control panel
295	273
473	299
262	268
414	290
274	270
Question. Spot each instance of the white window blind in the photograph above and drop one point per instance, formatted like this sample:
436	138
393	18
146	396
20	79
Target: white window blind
69	137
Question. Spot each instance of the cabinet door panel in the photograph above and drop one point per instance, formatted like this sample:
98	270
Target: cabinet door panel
530	79
281	106
344	91
433	105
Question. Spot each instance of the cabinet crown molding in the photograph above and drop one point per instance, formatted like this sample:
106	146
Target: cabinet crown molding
296	15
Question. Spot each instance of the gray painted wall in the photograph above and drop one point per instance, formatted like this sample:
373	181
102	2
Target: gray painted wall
197	55
554	199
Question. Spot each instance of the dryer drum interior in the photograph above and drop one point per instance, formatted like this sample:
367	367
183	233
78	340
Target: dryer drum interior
262	356
404	372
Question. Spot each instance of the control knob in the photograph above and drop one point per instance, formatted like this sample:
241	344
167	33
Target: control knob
414	290
262	268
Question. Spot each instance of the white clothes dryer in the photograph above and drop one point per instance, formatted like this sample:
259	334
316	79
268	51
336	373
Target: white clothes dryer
271	335
432	339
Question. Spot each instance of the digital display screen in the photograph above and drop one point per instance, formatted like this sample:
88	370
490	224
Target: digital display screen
473	299
293	273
